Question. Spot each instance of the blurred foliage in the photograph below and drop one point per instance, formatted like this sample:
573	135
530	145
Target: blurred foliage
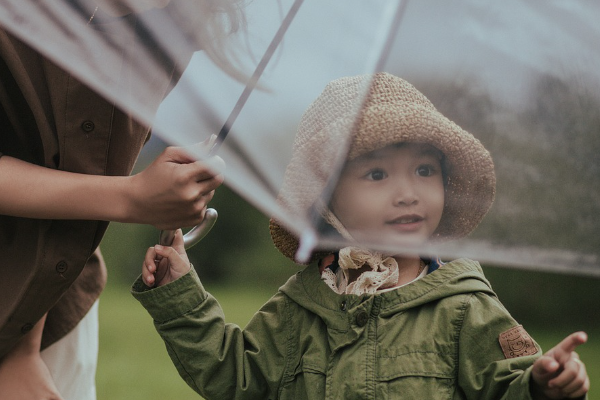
546	153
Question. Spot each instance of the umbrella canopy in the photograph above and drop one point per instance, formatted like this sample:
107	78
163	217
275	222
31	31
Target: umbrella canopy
523	80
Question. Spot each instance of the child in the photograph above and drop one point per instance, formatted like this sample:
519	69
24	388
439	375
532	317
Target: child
359	324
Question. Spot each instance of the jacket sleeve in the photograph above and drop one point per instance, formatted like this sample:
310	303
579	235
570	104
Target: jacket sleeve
216	359
484	371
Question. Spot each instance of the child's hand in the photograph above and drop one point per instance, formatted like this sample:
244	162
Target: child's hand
560	373
164	264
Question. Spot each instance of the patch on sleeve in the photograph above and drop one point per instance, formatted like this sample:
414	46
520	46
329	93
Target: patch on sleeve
516	342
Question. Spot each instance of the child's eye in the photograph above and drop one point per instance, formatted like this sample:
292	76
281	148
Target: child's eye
376	175
425	170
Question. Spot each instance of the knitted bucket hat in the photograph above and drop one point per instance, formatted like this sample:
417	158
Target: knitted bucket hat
356	115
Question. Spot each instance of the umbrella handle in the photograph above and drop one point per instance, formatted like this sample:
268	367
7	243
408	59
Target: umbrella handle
195	235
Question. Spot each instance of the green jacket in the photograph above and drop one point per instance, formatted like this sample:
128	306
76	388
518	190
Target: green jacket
437	338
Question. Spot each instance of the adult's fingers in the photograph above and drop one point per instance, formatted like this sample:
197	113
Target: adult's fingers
178	155
204	147
204	197
209	168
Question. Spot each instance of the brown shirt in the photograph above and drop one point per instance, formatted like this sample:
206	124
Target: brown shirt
49	118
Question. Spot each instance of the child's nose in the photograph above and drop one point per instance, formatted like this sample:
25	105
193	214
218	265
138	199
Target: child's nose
405	193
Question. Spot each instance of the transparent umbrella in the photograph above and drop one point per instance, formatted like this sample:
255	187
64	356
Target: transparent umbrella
522	79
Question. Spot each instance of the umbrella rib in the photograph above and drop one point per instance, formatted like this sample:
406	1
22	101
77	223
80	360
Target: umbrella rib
389	39
256	75
391	30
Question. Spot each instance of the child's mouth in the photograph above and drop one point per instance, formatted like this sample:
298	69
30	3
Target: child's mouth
407	222
406	219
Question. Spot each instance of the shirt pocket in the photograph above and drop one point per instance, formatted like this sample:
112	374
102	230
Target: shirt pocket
416	375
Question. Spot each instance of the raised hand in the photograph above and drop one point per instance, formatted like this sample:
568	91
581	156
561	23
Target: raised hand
164	264
560	373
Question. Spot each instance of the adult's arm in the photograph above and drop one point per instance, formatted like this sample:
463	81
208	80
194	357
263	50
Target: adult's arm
171	193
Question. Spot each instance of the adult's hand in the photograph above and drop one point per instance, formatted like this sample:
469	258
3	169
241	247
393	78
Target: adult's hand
174	190
23	373
171	193
26	377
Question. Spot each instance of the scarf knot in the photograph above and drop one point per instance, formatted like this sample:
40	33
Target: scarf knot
382	272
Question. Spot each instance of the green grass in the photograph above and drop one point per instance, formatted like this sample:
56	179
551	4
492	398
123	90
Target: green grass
133	363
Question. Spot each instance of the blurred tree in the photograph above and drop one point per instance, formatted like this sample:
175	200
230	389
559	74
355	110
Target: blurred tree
546	155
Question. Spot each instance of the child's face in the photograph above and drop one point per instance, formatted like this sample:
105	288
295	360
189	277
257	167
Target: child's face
393	195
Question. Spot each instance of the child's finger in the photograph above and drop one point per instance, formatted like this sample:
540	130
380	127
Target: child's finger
178	242
566	376
583	389
573	381
148	278
545	368
149	267
150	259
569	344
162	268
171	258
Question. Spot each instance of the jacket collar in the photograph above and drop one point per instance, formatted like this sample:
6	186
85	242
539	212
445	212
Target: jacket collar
339	312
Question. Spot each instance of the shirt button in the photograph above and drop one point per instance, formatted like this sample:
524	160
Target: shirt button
61	267
87	126
344	306
26	328
362	318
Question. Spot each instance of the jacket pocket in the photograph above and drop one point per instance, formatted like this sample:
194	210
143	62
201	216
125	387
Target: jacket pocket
307	380
416	375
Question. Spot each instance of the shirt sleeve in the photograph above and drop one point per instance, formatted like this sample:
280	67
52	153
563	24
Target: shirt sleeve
217	359
485	371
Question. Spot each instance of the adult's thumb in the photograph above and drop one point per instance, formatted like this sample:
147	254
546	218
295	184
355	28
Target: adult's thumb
178	155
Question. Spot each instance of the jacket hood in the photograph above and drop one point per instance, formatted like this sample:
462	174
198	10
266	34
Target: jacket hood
460	276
